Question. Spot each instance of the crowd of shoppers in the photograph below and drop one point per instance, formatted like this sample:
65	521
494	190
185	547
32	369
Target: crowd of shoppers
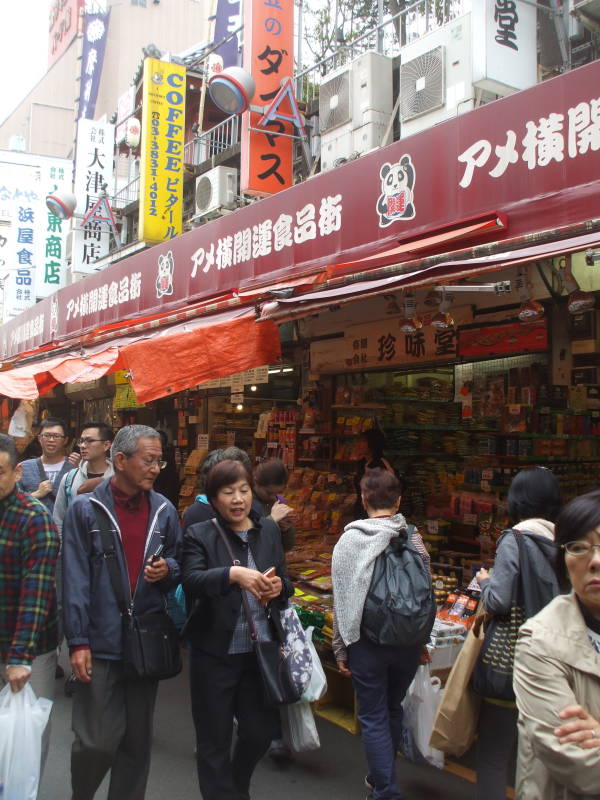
229	556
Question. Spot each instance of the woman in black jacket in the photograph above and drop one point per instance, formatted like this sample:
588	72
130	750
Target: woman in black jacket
225	682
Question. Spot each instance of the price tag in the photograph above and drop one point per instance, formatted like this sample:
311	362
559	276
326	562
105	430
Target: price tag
237	383
202	441
514	409
487	474
470	519
237	398
485	486
262	374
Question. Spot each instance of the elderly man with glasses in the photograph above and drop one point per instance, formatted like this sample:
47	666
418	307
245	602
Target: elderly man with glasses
41	477
112	713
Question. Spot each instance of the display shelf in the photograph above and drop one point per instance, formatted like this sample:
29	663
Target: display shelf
364	407
412	426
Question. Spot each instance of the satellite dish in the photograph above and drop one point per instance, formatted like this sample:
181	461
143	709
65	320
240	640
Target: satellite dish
232	90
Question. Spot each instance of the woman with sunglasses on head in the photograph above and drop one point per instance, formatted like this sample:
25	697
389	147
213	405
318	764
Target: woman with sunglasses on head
557	670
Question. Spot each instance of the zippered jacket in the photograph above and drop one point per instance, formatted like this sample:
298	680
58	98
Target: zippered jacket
91	614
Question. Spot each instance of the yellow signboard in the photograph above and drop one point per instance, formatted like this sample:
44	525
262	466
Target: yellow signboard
161	168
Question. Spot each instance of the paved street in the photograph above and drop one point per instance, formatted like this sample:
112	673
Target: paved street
335	772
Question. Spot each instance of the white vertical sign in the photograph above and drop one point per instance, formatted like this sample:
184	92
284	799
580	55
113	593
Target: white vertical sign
504	45
93	172
51	238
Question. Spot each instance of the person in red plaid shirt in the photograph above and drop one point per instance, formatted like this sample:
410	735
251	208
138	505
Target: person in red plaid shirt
28	553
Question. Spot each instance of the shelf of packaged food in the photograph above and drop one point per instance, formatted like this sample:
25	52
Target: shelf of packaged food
314	433
476	487
364	407
411	453
311	458
411	426
544	459
392	400
522	435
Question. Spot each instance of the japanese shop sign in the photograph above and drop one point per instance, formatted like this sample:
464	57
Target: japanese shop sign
63	22
457	170
95	34
504	51
378	345
227	20
125	108
503	340
266	159
93	172
32	246
161	166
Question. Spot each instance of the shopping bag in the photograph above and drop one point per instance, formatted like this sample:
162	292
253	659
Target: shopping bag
420	707
317	685
299	729
455	724
23	718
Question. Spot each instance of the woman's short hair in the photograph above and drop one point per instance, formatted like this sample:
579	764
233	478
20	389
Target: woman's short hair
271	473
224	474
576	520
534	493
380	489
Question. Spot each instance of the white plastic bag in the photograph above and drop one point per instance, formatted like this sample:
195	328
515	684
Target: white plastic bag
299	729
420	706
23	718
317	686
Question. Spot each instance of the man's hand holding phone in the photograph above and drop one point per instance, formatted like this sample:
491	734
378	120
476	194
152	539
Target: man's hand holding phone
156	567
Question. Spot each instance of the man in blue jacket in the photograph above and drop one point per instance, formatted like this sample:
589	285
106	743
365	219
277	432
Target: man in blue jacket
112	714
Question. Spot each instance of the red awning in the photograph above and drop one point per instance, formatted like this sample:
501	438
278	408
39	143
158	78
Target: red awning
445	272
31	380
176	358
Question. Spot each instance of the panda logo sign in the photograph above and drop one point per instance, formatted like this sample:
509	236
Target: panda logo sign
396	200
164	278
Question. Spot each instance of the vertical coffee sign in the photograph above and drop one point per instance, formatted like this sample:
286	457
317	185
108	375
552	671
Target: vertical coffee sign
94	174
161	168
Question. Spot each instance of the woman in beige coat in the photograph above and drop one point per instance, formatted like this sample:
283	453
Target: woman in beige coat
557	671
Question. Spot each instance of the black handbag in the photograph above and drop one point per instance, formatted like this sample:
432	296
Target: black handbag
278	687
150	641
493	673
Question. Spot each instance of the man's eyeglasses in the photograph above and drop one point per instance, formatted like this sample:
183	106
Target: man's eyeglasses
88	440
52	436
579	548
152	462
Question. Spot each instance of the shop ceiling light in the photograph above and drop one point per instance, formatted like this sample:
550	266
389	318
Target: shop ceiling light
499	287
253	388
443	320
410	323
579	302
530	310
239	407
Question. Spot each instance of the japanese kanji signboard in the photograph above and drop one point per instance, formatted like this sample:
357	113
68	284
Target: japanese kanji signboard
533	157
93	175
32	245
161	167
496	340
266	158
95	35
63	23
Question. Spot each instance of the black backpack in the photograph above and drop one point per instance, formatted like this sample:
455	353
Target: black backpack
400	606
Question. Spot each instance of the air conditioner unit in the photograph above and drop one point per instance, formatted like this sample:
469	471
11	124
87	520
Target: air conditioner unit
422	84
355	107
216	190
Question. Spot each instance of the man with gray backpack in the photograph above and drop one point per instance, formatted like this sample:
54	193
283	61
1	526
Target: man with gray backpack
384	609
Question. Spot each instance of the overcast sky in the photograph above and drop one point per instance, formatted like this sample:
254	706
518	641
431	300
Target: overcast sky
23	49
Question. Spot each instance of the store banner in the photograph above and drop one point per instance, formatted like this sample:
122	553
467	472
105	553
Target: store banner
381	344
63	24
51	258
125	108
95	34
267	159
227	20
504	45
161	165
93	175
531	157
503	340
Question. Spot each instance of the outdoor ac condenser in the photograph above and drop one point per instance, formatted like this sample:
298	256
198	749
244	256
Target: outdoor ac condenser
216	190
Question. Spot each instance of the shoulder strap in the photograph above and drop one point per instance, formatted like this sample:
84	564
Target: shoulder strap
235	562
110	557
69	484
41	470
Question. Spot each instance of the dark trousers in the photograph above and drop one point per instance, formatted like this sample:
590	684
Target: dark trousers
381	676
496	747
223	687
112	723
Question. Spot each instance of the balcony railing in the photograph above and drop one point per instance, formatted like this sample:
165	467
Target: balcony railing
128	194
212	142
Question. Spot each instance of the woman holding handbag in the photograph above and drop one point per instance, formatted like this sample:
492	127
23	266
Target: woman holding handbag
522	583
224	668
